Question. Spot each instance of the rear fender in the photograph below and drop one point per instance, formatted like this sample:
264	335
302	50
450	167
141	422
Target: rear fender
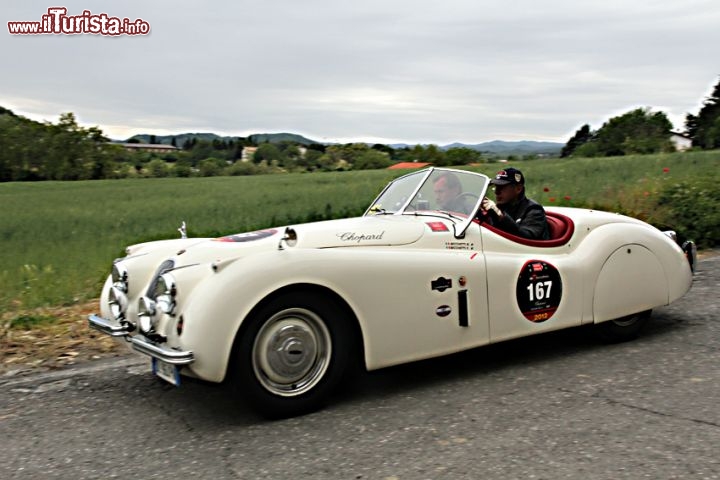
653	273
632	280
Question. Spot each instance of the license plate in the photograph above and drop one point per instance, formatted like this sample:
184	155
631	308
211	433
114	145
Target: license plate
166	371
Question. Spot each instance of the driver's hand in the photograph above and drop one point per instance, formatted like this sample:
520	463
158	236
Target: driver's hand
489	206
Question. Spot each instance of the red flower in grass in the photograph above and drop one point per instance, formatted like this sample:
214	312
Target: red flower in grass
666	170
552	199
567	197
546	189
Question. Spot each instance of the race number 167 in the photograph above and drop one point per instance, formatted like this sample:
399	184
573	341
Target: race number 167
539	290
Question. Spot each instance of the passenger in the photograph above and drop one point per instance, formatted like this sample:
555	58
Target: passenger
447	189
512	211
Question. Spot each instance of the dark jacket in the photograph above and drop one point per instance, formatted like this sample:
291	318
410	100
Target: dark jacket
524	218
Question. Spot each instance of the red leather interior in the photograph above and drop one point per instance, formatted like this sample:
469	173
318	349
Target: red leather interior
561	229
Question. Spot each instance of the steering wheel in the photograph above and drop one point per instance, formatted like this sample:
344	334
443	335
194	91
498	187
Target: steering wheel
460	205
468	195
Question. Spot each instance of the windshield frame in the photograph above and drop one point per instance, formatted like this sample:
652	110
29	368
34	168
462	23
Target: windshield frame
460	223
373	205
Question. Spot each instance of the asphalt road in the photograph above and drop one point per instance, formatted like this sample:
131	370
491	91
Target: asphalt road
555	406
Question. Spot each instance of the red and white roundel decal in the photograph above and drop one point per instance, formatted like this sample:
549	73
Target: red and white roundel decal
248	237
539	290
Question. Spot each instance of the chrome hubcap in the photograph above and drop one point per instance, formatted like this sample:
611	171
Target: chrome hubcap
291	352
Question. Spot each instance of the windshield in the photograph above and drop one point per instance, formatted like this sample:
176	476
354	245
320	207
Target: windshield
434	189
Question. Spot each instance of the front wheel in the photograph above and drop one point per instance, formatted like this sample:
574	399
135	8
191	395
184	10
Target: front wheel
623	329
292	354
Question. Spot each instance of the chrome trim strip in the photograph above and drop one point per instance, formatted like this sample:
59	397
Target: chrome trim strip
108	327
175	357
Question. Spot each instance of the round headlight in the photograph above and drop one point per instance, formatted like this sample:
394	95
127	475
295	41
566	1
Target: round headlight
165	292
118	302
117	297
165	285
146	315
120	276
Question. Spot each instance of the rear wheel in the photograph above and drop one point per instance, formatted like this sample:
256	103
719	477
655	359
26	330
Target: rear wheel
292	354
624	328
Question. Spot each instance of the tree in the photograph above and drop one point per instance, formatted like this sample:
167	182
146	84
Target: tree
384	148
200	151
183	168
403	155
318	147
268	152
704	128
333	158
581	137
430	154
309	161
75	153
157	168
291	154
241	168
211	167
371	159
462	156
31	150
639	131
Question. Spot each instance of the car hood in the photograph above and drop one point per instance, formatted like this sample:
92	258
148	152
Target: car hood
353	232
362	231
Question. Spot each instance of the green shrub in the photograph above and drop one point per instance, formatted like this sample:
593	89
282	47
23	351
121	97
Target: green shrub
241	168
691	208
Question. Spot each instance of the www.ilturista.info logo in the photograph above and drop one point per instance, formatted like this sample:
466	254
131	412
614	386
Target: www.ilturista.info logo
58	22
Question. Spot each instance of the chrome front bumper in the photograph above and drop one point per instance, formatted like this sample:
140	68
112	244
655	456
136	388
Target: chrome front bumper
688	247
690	253
141	343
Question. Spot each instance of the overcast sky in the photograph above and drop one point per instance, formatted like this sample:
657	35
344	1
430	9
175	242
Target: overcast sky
367	70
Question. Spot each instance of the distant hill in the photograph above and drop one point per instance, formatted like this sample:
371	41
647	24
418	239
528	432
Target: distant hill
257	138
501	147
5	111
179	138
496	147
520	147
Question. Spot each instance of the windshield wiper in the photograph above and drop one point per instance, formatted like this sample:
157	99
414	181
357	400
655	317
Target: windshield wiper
450	215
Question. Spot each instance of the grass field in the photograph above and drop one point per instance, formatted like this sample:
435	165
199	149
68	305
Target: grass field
59	238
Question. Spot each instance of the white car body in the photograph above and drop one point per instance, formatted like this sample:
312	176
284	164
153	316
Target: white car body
413	283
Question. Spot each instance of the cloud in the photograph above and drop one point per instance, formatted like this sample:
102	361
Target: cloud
401	70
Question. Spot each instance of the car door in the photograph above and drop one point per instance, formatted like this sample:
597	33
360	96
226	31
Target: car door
530	289
424	301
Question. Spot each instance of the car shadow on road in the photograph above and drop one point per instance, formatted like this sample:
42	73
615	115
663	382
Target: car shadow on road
218	406
566	346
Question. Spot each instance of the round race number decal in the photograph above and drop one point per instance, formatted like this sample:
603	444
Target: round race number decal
539	290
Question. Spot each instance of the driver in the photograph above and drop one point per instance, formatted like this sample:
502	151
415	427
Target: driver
447	189
512	211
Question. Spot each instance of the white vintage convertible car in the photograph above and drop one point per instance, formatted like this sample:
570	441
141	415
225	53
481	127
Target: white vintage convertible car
285	313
